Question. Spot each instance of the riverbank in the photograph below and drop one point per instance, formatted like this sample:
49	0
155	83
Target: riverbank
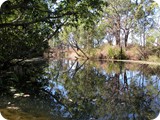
114	53
139	62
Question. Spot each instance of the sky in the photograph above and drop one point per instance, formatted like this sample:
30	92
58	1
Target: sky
158	1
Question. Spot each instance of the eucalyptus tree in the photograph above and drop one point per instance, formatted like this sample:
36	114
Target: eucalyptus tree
123	16
119	19
27	25
145	14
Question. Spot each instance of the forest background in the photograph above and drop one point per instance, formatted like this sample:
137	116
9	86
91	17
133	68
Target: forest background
112	29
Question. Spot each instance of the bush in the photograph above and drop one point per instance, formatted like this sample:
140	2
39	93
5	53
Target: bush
116	53
111	53
92	53
107	52
153	58
122	54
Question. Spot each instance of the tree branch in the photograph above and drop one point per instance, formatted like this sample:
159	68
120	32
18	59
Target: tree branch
43	19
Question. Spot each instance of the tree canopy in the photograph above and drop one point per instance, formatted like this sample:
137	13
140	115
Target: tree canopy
27	25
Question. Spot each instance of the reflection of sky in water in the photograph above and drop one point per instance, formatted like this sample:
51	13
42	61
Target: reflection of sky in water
136	77
132	76
149	82
57	87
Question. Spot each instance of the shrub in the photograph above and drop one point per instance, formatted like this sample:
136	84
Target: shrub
111	53
116	53
153	58
92	53
107	51
121	54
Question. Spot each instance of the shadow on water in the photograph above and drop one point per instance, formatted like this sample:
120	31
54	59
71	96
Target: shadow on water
80	90
22	96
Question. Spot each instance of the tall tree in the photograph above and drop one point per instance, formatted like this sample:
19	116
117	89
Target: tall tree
123	17
145	12
27	25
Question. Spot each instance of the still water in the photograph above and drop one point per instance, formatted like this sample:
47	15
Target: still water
80	90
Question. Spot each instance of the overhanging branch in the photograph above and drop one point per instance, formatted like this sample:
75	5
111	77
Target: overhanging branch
43	19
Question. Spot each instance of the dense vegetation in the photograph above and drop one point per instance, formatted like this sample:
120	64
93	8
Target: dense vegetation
26	26
94	29
130	25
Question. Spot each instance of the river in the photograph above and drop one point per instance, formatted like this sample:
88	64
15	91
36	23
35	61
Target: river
80	90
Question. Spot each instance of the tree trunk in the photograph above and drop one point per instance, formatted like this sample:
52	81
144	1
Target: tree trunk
125	79
126	38
78	48
118	37
117	34
144	37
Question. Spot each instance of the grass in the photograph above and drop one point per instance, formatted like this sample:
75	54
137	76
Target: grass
131	53
153	58
107	52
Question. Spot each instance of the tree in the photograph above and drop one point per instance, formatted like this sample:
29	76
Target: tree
81	38
27	25
94	93
122	16
119	18
145	16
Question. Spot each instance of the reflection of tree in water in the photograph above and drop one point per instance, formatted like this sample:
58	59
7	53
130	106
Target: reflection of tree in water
82	91
22	90
123	95
22	77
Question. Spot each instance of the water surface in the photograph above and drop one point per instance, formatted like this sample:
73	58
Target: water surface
80	90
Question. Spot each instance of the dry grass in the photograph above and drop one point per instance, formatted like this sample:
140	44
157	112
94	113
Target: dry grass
132	53
153	58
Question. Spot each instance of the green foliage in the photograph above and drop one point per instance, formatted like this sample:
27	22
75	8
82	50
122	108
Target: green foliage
139	13
121	18
152	37
93	91
26	26
116	53
150	41
153	58
112	53
122	54
86	38
93	53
